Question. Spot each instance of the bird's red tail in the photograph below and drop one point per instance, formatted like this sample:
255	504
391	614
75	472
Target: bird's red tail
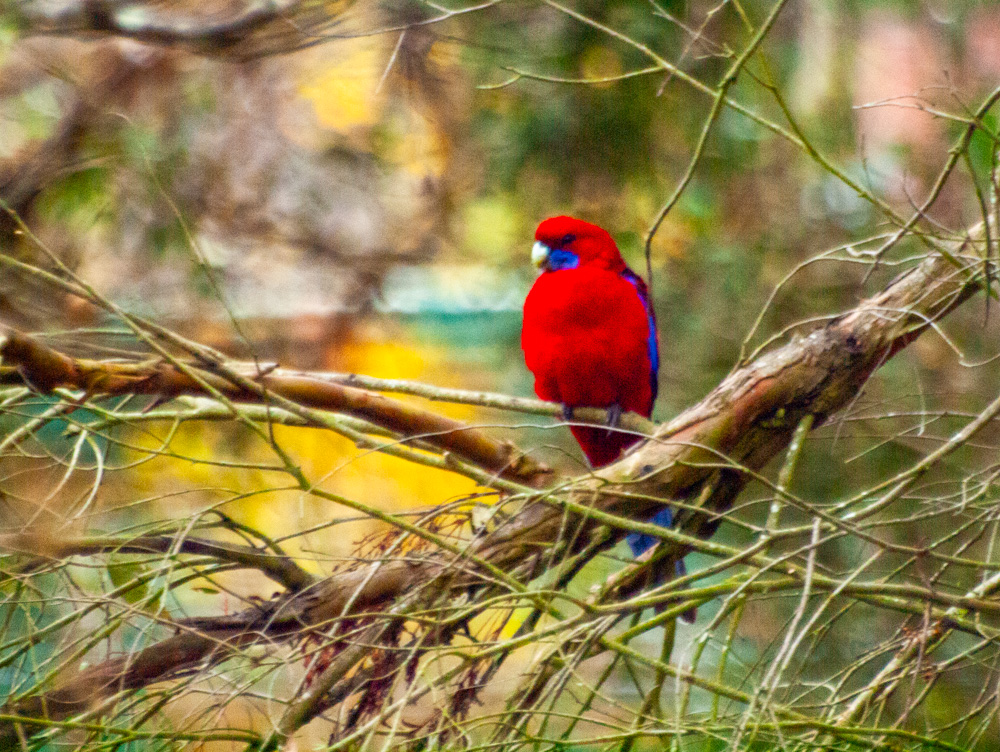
602	446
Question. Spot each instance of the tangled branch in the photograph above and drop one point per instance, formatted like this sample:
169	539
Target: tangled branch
699	462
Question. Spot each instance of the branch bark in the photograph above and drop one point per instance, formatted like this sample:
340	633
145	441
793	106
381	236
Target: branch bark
46	369
279	568
245	32
703	457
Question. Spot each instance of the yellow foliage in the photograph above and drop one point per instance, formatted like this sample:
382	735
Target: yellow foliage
246	481
346	93
493	227
352	94
423	149
382	354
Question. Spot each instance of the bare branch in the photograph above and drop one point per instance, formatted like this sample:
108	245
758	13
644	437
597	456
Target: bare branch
281	569
46	369
247	30
703	458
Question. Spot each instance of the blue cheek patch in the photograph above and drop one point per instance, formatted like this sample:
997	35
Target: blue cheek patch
562	259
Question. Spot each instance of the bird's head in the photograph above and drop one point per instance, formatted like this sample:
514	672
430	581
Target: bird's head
567	242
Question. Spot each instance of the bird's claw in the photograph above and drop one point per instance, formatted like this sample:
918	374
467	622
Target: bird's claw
567	413
614	418
614	415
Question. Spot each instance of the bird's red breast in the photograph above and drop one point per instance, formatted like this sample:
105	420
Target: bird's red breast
589	334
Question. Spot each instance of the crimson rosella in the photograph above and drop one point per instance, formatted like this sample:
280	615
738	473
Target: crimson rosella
589	332
589	337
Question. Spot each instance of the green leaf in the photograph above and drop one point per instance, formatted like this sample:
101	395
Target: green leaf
982	147
124	570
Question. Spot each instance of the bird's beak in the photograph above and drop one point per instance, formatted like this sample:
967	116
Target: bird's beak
540	254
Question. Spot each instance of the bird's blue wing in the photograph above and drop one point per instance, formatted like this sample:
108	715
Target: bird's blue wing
640	542
652	344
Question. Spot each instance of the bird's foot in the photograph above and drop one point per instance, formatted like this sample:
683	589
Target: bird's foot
614	417
567	413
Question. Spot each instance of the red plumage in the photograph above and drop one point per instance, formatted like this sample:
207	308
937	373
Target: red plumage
589	334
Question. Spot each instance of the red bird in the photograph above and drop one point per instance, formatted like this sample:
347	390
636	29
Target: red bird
589	333
589	337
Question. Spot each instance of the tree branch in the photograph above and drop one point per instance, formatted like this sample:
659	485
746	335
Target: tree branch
280	569
245	32
703	458
46	369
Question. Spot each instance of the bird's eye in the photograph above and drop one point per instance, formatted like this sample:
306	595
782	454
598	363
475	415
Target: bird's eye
567	239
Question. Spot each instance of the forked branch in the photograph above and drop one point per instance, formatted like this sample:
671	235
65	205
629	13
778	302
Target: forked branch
701	460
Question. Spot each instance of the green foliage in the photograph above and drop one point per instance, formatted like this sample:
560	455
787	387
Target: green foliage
77	200
129	577
983	150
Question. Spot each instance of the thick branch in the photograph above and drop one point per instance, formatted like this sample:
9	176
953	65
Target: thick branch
698	457
280	569
248	31
46	369
633	422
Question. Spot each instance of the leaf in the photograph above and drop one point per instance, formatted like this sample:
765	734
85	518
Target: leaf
124	570
981	148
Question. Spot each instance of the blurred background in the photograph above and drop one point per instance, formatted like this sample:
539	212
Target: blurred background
367	204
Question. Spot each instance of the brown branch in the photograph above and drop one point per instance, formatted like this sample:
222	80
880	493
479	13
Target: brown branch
743	423
633	422
46	369
247	31
280	569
